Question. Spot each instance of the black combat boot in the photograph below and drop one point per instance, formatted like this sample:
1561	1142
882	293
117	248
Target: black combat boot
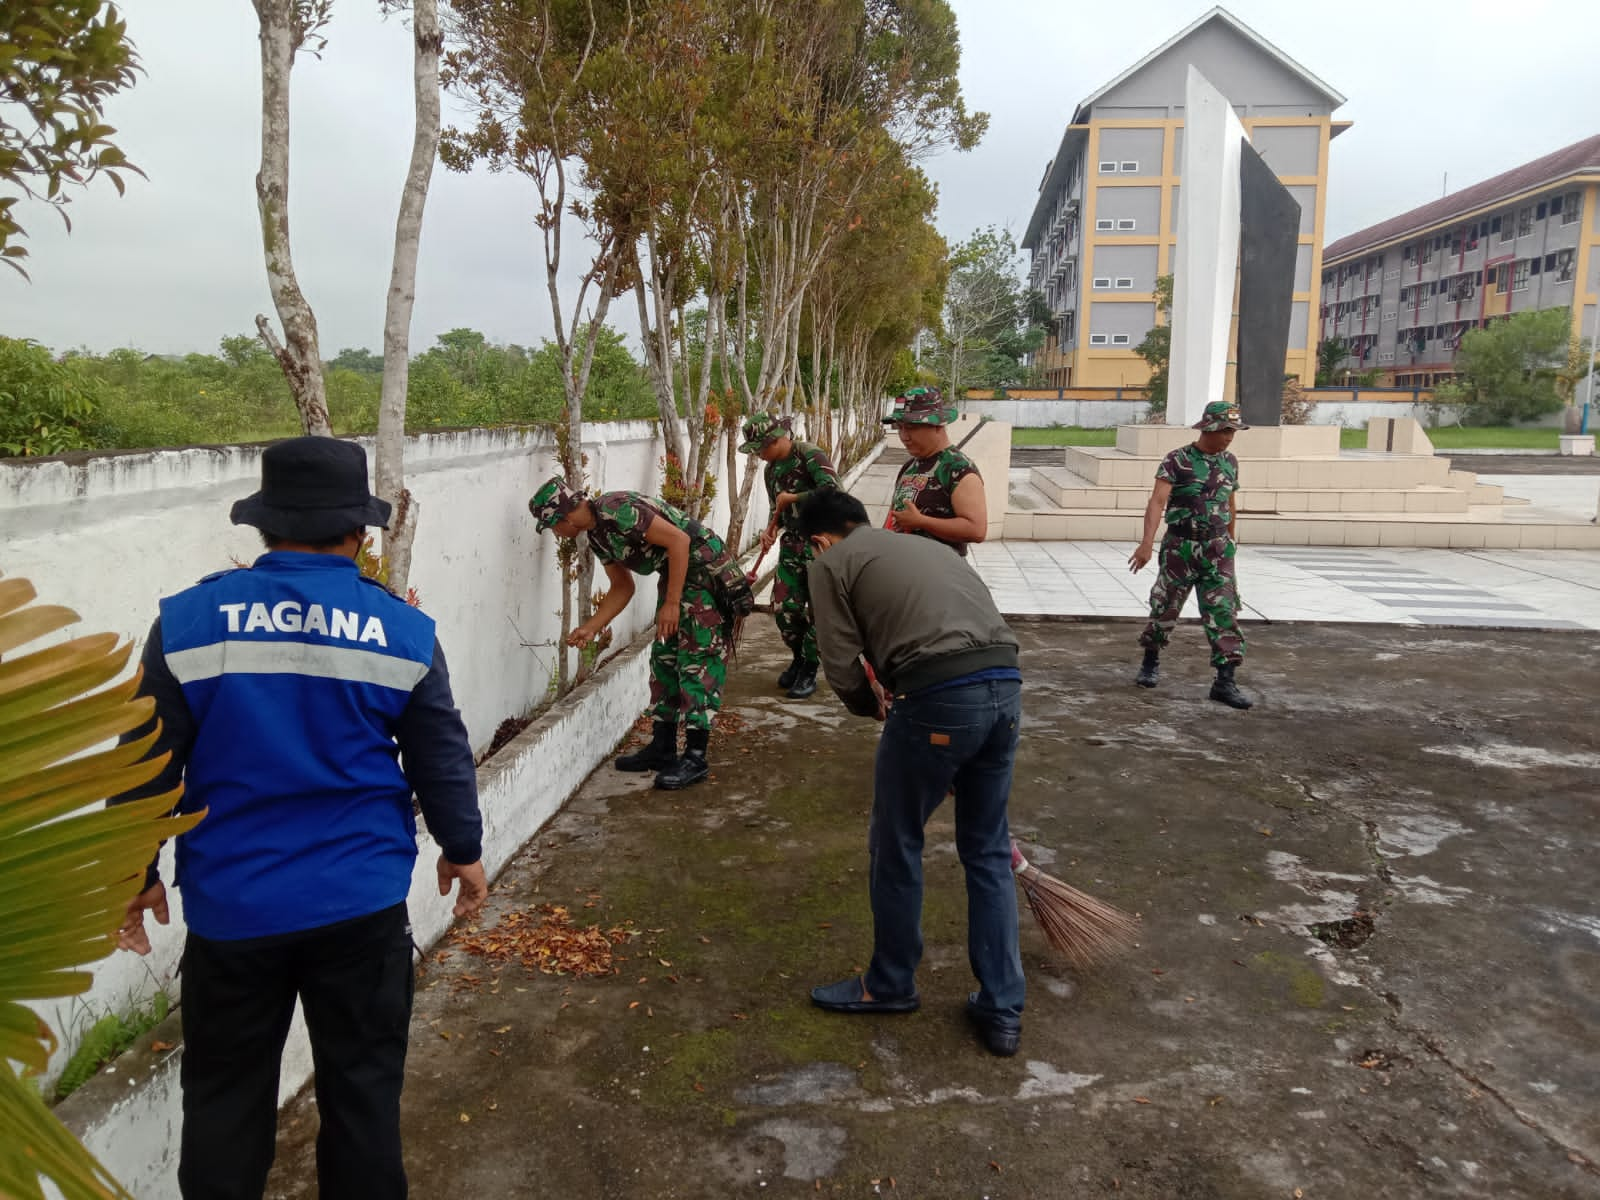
1150	670
786	680
805	681
1227	691
661	753
692	766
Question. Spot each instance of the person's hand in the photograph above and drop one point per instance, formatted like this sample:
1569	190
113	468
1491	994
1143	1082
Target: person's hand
1140	556
131	934
909	517
582	636
769	535
882	696
667	620
784	499
474	888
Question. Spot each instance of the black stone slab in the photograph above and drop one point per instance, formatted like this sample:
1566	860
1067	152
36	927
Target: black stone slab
1269	238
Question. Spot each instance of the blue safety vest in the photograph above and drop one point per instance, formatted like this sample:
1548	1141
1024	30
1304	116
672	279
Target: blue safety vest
294	672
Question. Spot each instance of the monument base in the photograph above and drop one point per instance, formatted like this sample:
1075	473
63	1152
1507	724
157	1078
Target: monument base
1296	488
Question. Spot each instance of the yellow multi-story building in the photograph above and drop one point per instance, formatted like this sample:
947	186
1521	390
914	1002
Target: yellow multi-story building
1401	294
1104	228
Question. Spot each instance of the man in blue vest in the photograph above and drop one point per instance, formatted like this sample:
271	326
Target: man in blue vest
302	705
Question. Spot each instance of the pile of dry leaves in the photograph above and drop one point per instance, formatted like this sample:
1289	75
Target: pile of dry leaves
544	938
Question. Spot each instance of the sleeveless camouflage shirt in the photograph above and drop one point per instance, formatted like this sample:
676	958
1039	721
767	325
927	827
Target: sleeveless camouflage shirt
929	486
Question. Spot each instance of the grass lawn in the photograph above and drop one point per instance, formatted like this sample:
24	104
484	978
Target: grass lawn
1448	437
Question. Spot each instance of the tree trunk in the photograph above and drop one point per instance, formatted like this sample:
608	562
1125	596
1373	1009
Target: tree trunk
298	355
391	476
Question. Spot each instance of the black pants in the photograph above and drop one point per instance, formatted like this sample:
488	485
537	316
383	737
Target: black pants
355	982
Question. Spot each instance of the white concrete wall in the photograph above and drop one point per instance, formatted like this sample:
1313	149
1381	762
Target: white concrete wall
111	535
130	1115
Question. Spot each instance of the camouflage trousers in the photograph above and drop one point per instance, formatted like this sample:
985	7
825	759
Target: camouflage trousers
791	599
687	673
1185	566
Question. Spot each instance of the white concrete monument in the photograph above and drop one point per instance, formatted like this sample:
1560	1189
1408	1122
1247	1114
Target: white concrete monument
1207	252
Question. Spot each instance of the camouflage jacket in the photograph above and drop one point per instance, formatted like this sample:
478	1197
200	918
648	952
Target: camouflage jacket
929	486
1202	491
807	469
621	519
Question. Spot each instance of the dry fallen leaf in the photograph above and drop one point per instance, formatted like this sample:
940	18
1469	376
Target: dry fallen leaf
634	1005
997	1168
463	1118
1298	1194
158	1047
504	1029
1141	1100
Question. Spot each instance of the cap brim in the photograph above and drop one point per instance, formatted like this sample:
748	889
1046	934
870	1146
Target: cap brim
309	524
752	447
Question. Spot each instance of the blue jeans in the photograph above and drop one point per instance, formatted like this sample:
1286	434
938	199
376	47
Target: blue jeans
963	737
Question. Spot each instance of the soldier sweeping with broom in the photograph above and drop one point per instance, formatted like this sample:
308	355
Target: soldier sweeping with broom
794	469
701	597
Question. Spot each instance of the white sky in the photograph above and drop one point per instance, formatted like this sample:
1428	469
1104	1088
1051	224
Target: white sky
1463	87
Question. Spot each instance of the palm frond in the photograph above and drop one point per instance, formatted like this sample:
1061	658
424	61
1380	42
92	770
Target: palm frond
67	867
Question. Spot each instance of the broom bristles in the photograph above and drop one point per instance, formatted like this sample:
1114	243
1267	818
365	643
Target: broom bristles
1085	931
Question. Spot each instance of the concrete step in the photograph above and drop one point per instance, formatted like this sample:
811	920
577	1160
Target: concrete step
1485	527
1105	466
1069	490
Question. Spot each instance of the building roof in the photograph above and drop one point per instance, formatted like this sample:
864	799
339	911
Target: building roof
1074	136
1576	159
1218	13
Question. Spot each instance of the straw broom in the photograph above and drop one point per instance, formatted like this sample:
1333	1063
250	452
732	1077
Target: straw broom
1085	931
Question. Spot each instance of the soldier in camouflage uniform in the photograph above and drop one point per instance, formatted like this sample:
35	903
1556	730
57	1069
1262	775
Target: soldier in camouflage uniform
1196	489
700	593
794	469
939	493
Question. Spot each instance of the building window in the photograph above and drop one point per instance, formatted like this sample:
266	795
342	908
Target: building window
1428	249
1125	223
1104	223
1068	326
1099	339
1519	276
1119	339
1525	220
1571	208
1562	266
1130	168
1108	168
1124	284
1534	265
1388	316
1504	229
1544	211
1102	284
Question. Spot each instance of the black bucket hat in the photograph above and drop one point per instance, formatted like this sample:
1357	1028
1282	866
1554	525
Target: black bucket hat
312	488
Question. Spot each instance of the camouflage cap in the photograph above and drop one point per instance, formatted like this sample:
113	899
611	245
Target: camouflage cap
921	406
552	501
1219	415
761	429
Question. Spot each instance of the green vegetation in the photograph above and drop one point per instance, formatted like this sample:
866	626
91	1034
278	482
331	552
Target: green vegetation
1156	349
1517	369
106	1039
1064	435
129	400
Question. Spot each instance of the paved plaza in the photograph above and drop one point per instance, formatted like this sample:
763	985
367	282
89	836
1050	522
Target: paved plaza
1508	589
1368	967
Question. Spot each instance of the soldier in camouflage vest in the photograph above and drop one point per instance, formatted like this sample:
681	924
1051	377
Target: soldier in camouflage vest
700	592
1196	490
794	469
939	493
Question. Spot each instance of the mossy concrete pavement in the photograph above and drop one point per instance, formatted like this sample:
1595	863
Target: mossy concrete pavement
1368	968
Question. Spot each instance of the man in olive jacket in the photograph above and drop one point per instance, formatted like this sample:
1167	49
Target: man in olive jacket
910	635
